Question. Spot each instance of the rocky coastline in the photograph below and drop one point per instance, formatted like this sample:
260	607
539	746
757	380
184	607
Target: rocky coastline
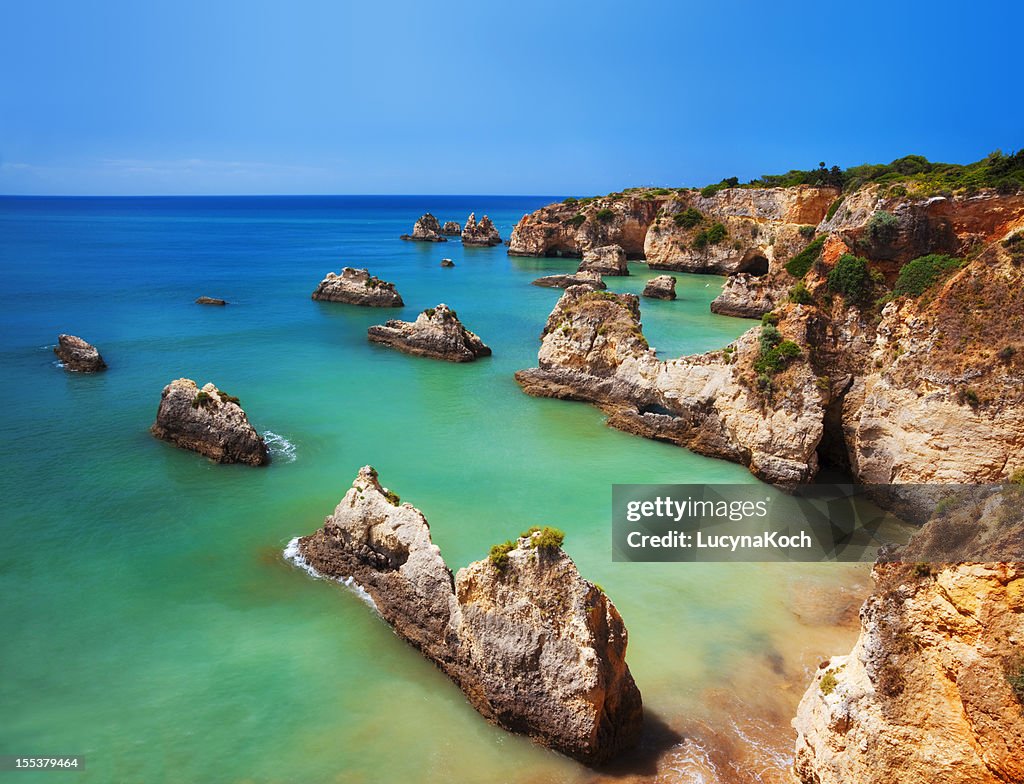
536	648
208	421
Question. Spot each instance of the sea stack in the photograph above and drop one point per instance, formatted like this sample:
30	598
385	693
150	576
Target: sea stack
426	229
436	333
605	260
661	287
358	287
208	421
447	263
536	648
592	280
481	234
77	355
451	229
211	301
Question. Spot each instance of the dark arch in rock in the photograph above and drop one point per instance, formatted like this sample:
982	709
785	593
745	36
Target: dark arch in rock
754	264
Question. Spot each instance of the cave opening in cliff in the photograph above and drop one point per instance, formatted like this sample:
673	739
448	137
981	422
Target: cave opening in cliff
755	264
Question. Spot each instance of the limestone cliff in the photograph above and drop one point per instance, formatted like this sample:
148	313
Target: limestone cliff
208	421
933	688
592	349
536	648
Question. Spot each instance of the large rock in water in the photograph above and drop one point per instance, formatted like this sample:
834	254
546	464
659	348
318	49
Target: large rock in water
605	260
482	233
211	301
661	287
536	648
208	421
426	229
436	333
358	287
451	229
77	355
928	692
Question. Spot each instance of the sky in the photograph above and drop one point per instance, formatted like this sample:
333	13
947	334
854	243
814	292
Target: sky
554	98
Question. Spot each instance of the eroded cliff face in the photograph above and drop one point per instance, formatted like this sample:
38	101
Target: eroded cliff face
928	692
570	229
536	648
593	350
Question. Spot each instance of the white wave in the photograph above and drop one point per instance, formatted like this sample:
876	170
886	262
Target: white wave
281	448
294	555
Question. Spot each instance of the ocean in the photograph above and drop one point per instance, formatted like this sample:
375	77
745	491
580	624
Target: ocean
150	620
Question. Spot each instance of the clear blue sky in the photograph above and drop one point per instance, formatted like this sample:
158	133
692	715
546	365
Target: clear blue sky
553	97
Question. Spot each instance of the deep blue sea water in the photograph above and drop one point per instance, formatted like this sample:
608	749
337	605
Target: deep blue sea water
149	620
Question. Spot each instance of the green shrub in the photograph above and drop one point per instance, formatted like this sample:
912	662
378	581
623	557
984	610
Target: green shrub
429	312
829	682
801	263
770	318
774	360
710	190
226	398
800	294
882	228
1006	354
969	397
576	220
922	273
1017	477
710	236
203	399
498	555
546	538
688	218
806	232
833	208
850	277
604	215
661	192
392	498
1015	245
570	200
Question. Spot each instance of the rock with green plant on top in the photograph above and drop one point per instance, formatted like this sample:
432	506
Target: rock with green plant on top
537	649
436	333
358	287
208	421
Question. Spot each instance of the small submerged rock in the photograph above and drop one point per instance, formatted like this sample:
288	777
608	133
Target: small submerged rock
436	333
483	233
447	263
358	287
591	279
77	355
426	229
211	301
661	287
451	229
208	421
605	260
536	648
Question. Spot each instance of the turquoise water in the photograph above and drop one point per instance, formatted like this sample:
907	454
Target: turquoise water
149	619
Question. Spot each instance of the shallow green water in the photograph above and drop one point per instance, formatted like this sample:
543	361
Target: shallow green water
149	619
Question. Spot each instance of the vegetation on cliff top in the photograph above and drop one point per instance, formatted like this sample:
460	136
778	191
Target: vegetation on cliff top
922	273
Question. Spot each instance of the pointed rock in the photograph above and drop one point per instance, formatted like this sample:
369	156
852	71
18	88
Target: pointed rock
77	355
482	233
426	229
436	333
536	648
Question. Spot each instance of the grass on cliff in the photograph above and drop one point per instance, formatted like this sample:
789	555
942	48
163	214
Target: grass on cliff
801	263
499	554
710	236
1015	676
546	538
850	277
922	273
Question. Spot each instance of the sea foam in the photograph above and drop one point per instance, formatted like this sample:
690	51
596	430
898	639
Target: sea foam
294	555
280	447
